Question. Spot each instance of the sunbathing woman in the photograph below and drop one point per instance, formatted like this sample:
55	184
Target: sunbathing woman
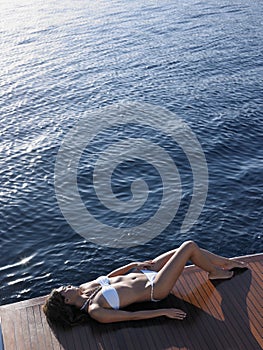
103	298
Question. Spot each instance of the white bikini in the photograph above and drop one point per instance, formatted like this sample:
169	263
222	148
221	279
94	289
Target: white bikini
110	293
151	276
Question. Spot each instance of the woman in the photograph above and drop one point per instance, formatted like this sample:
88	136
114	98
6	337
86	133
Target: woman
103	298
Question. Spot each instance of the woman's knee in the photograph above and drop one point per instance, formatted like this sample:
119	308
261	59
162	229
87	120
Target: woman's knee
190	245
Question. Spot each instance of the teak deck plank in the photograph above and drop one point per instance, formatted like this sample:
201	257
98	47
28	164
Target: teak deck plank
220	315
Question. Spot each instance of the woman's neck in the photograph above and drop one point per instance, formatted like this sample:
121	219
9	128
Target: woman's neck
85	297
80	301
85	304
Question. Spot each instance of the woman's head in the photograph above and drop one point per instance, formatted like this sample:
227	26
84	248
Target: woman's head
60	311
70	294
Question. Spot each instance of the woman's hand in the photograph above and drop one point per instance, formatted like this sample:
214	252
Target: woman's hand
175	314
148	265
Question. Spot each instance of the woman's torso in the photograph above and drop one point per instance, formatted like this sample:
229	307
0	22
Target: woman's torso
131	288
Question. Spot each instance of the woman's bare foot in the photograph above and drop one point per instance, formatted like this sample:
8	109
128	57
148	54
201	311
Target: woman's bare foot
231	264
219	274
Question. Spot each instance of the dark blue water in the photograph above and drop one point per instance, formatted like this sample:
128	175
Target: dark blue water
202	61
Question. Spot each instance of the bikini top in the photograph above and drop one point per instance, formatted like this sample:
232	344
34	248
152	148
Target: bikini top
109	292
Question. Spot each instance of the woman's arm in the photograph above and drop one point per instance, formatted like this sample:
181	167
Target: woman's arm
124	269
109	316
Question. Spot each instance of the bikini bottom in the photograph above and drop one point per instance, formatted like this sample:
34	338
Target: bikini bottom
151	276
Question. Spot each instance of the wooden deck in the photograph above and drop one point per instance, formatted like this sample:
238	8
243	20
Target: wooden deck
221	316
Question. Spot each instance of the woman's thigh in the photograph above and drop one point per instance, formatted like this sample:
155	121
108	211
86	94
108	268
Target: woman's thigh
170	272
162	259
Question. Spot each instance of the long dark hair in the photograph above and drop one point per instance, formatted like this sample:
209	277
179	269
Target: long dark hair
61	314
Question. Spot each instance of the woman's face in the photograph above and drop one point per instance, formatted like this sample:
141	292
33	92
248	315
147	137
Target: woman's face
69	293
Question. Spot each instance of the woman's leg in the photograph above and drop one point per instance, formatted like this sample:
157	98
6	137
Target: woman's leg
214	259
170	272
220	261
162	259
